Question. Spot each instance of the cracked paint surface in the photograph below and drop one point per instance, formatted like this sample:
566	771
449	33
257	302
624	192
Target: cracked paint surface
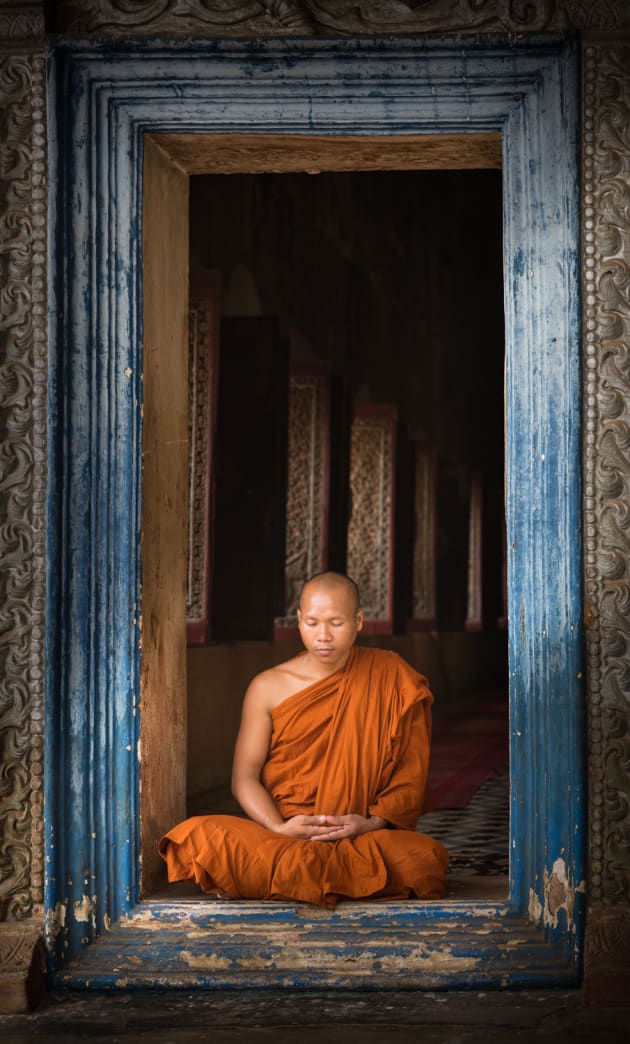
55	921
535	909
558	894
83	907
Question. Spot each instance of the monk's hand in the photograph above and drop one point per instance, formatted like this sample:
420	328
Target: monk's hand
312	828
350	825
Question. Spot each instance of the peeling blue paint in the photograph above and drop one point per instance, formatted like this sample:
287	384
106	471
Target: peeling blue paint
104	97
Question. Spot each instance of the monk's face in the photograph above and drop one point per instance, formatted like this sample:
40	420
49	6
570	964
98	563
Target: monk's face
329	622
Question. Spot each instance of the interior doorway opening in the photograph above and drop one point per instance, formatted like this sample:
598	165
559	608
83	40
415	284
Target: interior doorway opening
346	395
126	102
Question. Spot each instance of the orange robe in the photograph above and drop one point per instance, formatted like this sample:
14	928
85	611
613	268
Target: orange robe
359	742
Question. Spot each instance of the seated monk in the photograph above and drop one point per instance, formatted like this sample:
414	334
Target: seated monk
331	766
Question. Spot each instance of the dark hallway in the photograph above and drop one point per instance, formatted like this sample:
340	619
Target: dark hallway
356	328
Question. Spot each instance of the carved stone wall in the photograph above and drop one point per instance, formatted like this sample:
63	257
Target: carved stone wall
22	470
20	20
606	248
22	495
332	17
606	286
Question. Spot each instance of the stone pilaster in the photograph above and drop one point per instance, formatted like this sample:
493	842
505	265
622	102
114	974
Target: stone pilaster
22	497
606	333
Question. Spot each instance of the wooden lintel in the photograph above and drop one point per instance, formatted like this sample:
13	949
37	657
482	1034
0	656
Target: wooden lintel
269	153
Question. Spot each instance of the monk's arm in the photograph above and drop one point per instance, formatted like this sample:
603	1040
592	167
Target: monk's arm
250	754
402	796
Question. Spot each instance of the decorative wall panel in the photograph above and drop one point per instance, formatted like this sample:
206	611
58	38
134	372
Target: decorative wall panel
20	20
203	337
371	525
474	607
22	465
606	281
424	547
333	17
307	487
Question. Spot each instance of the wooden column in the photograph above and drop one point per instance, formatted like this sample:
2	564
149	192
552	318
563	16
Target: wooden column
371	526
307	488
424	548
164	505
203	360
474	603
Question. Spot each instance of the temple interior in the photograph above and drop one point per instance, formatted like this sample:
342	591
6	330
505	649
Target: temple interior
347	412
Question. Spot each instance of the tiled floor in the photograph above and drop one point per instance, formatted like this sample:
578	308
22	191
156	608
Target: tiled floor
477	837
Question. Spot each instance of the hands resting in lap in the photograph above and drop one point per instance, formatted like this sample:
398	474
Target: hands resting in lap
328	828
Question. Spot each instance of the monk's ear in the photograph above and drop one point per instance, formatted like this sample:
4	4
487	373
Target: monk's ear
360	620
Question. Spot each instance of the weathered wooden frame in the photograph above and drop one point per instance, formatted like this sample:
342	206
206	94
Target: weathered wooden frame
104	100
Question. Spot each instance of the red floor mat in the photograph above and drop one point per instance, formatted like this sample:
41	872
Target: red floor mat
466	751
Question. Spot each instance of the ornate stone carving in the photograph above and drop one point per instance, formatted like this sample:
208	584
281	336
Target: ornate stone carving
434	16
21	19
16	950
606	246
22	480
606	955
185	17
370	529
307	486
22	967
334	17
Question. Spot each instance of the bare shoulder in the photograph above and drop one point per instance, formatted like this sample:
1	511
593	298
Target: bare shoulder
269	688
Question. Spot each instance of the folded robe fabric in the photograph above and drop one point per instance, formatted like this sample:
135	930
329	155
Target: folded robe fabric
356	742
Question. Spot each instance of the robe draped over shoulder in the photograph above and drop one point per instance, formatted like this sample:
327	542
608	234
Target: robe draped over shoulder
356	742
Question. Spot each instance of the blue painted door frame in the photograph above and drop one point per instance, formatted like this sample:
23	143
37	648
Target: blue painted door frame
103	99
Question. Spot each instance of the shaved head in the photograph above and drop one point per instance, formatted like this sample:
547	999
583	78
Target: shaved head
327	582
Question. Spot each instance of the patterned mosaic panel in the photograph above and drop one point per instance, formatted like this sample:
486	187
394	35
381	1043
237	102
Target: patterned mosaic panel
370	530
307	487
424	605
